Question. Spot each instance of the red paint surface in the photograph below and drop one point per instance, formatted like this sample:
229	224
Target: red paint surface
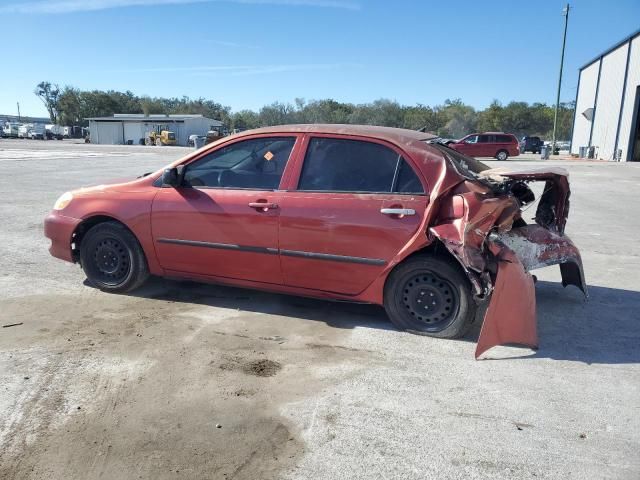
488	149
459	212
511	316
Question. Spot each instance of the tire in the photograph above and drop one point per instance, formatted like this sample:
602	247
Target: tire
502	155
112	258
440	281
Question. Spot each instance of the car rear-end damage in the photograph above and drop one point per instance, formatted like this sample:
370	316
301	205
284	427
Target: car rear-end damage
481	221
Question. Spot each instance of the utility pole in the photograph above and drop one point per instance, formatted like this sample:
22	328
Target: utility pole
565	13
19	119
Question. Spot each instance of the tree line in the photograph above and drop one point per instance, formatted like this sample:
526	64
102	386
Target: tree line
453	119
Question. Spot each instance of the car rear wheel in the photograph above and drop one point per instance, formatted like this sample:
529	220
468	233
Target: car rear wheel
112	258
502	155
428	295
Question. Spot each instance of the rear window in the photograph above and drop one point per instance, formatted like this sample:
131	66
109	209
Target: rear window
464	165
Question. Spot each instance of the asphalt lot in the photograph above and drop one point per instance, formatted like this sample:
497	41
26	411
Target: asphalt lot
181	380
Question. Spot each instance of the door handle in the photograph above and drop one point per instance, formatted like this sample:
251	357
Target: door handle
264	206
398	211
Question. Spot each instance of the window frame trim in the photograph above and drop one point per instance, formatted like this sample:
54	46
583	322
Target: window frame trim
291	162
296	174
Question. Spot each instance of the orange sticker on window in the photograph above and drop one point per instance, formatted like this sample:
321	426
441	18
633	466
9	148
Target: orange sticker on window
268	156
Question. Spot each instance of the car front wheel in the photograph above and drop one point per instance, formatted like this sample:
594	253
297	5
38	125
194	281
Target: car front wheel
112	258
502	155
428	295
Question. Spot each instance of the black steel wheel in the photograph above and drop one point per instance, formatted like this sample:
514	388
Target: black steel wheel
430	295
112	258
431	299
112	261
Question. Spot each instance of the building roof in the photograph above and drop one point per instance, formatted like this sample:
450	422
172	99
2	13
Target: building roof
140	117
611	49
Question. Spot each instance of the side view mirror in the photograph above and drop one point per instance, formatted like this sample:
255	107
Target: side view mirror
172	177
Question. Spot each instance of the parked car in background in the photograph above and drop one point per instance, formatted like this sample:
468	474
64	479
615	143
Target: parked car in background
54	131
10	129
199	139
531	144
368	214
490	144
23	130
37	132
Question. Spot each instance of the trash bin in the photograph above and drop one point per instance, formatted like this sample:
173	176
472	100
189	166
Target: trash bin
198	142
544	152
591	153
582	152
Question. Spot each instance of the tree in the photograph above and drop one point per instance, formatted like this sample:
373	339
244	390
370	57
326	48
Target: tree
453	119
49	94
460	119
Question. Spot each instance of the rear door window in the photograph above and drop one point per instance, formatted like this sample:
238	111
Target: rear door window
407	181
354	166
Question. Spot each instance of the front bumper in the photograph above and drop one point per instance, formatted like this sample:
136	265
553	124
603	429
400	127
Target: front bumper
59	229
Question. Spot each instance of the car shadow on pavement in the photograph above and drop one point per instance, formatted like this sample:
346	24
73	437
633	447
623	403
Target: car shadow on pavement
605	329
334	313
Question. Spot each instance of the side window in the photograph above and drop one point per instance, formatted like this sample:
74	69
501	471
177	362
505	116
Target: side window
507	139
407	181
253	164
484	139
338	165
471	139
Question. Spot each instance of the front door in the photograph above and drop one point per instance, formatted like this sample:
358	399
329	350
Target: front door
468	145
223	221
358	203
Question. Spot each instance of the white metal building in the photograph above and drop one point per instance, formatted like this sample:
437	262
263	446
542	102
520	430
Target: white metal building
122	129
607	103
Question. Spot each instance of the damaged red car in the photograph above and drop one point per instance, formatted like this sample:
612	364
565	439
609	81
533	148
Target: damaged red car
368	214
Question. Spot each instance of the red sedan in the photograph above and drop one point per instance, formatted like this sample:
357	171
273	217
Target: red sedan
369	214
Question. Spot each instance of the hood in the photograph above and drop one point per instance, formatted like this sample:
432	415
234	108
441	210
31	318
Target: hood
118	184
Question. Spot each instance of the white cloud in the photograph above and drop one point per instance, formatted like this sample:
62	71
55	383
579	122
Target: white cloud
217	70
70	6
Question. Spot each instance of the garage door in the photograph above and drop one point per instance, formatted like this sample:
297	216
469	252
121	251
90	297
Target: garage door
109	133
133	131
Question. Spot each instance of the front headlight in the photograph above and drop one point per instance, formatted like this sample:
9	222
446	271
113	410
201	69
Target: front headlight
63	201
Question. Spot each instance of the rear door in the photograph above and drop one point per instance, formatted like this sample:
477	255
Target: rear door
355	204
504	142
469	146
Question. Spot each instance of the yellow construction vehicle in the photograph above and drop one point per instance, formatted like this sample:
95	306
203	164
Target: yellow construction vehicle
160	136
216	133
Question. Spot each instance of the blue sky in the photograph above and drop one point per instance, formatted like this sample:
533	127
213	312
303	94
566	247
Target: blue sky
247	53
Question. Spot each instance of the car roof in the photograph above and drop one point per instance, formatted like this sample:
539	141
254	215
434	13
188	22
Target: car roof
394	135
